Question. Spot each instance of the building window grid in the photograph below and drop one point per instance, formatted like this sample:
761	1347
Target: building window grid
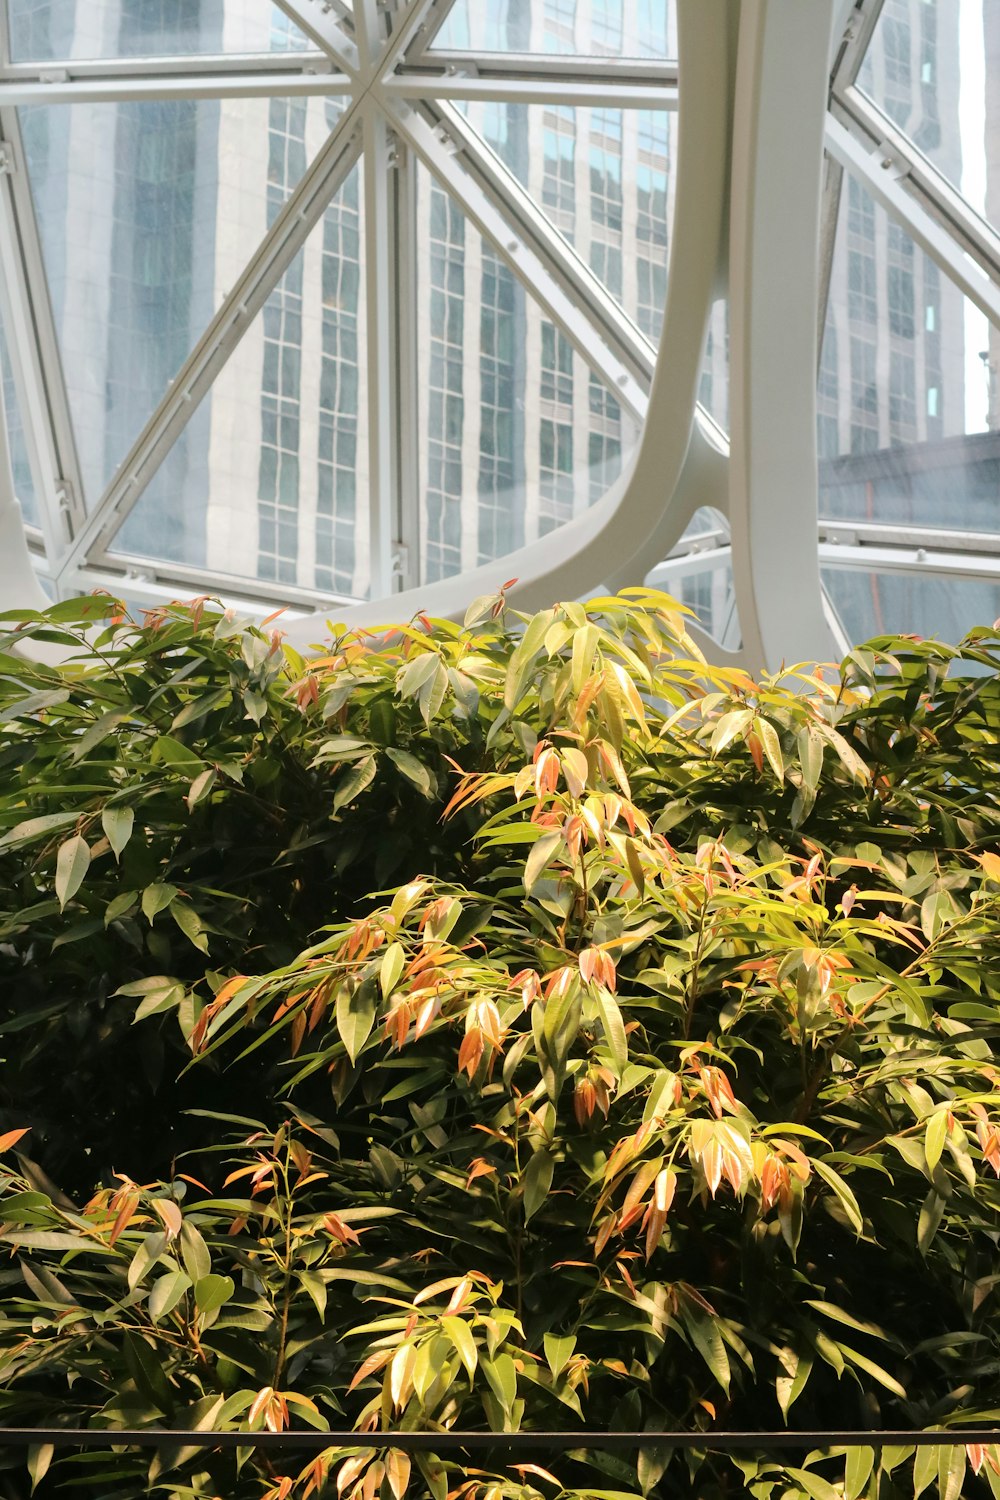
604	446
556	487
606	206
559	26
337	497
446	406
902	397
278	477
149	281
559	168
901	283
498	528
606	28
652	165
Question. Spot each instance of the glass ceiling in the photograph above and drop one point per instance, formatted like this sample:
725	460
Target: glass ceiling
308	332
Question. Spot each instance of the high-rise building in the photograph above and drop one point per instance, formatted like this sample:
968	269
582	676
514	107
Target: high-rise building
903	397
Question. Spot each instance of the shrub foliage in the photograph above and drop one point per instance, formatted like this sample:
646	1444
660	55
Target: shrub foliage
508	1026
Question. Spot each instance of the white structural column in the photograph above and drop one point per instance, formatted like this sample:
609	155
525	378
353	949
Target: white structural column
778	122
17	576
31	344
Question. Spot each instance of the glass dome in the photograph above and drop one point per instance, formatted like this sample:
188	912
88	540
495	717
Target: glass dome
313	304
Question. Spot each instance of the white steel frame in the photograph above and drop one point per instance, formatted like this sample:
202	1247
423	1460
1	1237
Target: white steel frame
752	90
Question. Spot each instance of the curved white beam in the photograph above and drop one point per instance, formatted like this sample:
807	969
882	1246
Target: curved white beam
779	117
582	554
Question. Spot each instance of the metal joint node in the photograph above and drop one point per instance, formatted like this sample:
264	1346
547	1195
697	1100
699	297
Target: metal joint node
7	164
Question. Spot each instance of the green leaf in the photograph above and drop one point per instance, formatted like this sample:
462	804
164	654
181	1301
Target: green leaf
391	968
543	851
117	823
501	1372
189	923
951	1471
316	1287
212	1292
558	1349
355	1012
929	1222
523	658
194	1252
40	1455
934	1137
815	1485
354	782
200	787
465	1345
810	749
414	770
925	1468
156	898
772	746
858	1471
614	1030
844	1194
72	864
728	727
537	1180
34	828
707	1339
166	1293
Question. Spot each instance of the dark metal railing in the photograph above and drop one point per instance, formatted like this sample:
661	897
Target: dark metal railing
511	1442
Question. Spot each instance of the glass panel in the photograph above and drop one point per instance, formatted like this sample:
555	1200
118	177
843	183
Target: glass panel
518	435
909	405
24	489
927	68
713	388
900	603
148	213
581	28
269	480
603	177
46	30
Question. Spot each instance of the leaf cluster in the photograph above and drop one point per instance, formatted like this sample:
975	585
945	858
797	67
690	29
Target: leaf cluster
658	1090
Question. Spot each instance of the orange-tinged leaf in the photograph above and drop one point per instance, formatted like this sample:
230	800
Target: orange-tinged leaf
11	1137
991	868
351	1469
170	1215
397	1471
401	1374
369	1366
126	1212
261	1399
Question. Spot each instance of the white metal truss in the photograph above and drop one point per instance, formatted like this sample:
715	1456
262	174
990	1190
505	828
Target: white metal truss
402	94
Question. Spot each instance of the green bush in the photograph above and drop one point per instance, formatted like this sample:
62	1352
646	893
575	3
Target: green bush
658	1090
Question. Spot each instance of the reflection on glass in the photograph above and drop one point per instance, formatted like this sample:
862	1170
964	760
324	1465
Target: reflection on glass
24	489
272	479
909	420
603	177
581	28
148	213
46	30
928	67
517	435
931	606
713	387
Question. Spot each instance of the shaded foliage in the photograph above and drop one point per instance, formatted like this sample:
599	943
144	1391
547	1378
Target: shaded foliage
659	1089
